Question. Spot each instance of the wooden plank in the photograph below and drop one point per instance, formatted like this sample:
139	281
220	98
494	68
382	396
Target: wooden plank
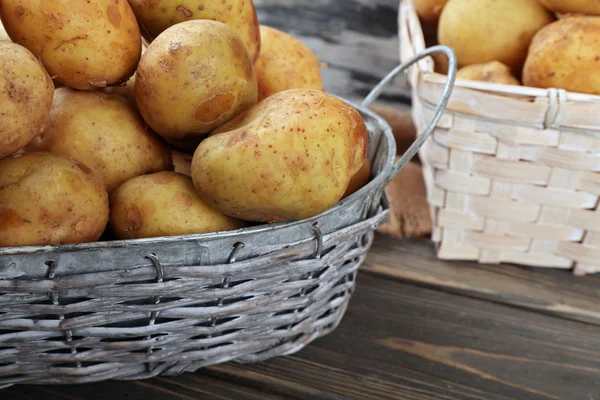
547	291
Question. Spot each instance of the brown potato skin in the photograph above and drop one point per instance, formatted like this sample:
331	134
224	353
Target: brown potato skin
572	6
25	97
360	179
194	77
163	204
83	44
285	63
290	157
565	55
106	133
46	199
481	31
493	72
429	10
155	16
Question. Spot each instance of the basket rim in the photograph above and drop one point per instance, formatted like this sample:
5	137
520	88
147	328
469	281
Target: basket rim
377	181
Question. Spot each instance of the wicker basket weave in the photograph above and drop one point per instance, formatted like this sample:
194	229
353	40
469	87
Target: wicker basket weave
512	173
141	308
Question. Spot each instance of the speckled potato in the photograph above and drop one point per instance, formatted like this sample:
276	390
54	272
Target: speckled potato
47	199
163	204
285	63
106	133
429	10
194	77
481	31
565	55
155	16
573	6
493	72
83	44
360	179
25	97
289	157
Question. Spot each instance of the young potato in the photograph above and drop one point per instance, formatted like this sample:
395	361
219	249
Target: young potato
285	63
163	204
25	97
494	72
360	179
289	157
106	133
481	31
573	6
84	44
155	16
47	199
565	55
430	10
194	77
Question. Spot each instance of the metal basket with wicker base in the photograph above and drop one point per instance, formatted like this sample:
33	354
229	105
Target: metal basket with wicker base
137	309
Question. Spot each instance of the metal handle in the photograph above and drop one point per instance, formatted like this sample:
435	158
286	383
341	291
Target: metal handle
377	90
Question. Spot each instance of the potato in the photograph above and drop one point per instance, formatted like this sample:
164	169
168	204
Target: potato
47	199
285	63
565	55
163	204
429	10
182	163
573	6
25	97
289	157
155	16
360	179
481	31
194	77
126	89
83	44
494	72
106	133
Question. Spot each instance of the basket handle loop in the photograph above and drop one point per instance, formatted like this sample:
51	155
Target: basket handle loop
377	90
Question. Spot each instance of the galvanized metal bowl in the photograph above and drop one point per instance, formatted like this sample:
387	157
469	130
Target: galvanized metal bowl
139	308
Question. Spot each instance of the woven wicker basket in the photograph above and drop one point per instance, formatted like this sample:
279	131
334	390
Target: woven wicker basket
512	173
141	308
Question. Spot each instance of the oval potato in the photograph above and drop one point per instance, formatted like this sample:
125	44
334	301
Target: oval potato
47	199
565	55
155	16
481	31
493	72
163	204
285	63
106	133
194	77
289	157
573	6
83	44
25	97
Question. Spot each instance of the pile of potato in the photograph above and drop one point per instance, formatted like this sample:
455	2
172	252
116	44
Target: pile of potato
541	43
156	118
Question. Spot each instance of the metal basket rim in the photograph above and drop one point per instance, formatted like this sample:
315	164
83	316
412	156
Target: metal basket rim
376	182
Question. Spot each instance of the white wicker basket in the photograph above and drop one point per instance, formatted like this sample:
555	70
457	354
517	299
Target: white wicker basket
513	172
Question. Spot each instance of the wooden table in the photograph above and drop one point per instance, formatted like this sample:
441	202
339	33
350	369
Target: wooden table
417	328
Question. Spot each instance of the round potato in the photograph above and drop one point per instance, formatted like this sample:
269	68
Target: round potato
47	199
429	10
573	6
155	16
493	72
481	31
106	133
285	63
84	44
163	204
25	97
565	55
193	78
